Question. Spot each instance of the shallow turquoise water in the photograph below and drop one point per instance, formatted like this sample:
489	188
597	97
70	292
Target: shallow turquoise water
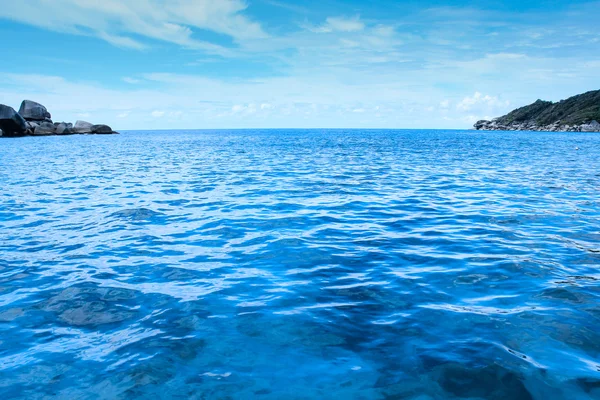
300	265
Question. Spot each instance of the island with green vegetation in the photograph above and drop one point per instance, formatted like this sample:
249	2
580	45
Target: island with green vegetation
579	113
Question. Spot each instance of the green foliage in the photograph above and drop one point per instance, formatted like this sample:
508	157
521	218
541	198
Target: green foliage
575	110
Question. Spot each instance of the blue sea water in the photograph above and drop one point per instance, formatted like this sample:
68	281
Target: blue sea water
288	264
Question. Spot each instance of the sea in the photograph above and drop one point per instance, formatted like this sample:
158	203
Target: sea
300	264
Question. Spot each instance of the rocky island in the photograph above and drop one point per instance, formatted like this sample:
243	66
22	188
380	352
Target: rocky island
33	119
579	113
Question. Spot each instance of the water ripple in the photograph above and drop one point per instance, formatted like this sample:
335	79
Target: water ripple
301	264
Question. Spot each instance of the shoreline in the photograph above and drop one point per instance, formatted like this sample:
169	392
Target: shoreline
495	125
33	119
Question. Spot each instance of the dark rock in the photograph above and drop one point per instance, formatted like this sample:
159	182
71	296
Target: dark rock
11	123
82	127
31	125
101	129
491	382
64	128
137	214
90	306
480	124
1	133
32	111
44	129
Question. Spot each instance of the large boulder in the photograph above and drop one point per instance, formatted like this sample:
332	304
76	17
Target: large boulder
593	126
32	111
101	129
31	125
64	128
11	123
45	129
481	124
82	127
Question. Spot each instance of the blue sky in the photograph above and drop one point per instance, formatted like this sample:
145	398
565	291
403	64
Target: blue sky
160	64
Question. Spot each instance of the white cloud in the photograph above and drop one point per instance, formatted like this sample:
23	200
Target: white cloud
118	22
123	114
339	24
478	99
311	96
132	81
384	30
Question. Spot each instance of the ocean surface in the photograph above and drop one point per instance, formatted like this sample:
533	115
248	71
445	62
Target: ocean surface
292	264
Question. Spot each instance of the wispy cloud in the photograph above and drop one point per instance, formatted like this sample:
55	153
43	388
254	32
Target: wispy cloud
128	23
130	80
479	100
338	24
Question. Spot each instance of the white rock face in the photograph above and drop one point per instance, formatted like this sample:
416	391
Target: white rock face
82	127
593	126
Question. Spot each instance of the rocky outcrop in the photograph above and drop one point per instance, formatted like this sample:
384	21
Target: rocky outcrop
11	122
579	113
33	119
31	125
32	111
498	125
101	129
82	127
593	126
44	129
64	128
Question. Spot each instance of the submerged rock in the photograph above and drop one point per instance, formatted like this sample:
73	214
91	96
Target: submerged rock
136	214
82	127
32	111
491	382
11	123
90	306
